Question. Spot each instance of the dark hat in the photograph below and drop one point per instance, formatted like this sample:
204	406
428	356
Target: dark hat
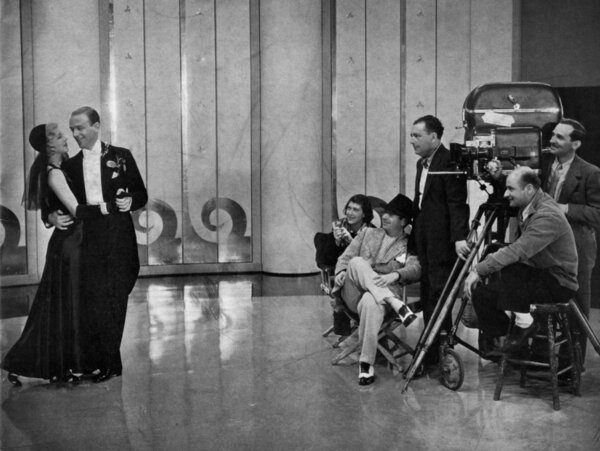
401	206
37	138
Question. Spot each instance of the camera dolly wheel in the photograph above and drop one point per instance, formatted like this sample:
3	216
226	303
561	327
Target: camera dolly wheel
452	370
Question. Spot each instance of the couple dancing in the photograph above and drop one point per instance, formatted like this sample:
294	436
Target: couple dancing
76	321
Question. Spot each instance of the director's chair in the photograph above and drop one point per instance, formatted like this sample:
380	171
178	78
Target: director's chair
389	345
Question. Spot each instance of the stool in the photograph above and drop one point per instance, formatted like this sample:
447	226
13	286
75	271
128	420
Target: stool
555	317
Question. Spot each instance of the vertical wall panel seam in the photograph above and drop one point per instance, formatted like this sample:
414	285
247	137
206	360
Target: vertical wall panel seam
435	58
146	121
402	99
216	130
334	178
470	40
182	35
255	133
366	103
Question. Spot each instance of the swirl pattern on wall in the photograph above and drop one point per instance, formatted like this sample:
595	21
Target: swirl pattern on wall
12	257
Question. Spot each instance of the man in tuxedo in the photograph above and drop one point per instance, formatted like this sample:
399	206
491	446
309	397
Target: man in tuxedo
575	185
102	173
441	215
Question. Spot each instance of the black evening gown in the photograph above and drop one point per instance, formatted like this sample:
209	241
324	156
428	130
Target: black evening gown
50	344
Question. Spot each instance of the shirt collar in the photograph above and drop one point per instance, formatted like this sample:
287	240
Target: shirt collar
427	161
565	165
94	151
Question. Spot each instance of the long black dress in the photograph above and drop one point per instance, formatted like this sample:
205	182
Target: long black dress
50	344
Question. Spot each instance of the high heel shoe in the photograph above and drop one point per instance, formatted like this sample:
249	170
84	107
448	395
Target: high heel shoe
72	378
14	379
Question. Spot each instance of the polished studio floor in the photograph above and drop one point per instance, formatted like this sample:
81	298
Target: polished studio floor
239	363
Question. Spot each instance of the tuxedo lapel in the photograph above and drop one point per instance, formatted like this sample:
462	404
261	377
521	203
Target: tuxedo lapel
105	171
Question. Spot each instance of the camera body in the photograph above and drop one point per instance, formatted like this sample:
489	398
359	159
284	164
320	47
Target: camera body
500	149
506	125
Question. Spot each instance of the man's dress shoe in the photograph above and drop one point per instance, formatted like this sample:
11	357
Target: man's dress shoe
366	378
518	337
105	375
14	379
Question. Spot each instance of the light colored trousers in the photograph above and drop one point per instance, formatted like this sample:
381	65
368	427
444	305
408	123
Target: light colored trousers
362	296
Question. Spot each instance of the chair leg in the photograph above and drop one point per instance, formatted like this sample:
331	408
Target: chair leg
500	381
552	354
328	332
346	352
573	354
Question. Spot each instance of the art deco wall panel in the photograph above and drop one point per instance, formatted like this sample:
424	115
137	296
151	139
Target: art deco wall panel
13	257
290	36
350	100
185	67
384	102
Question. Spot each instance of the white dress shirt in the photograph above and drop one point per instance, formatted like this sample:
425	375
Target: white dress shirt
91	174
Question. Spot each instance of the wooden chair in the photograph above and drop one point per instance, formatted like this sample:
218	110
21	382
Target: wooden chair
553	321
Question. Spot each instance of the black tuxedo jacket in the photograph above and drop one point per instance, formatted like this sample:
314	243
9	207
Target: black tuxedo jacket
114	232
118	171
443	217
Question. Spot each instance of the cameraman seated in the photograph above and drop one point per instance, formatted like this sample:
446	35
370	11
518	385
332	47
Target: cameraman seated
369	276
539	267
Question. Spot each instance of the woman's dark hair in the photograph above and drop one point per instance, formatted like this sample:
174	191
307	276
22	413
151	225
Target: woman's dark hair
37	181
37	185
365	205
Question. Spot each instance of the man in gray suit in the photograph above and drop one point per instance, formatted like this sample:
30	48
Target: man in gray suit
369	276
575	185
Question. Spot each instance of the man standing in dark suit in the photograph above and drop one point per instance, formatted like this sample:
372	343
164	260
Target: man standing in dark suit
104	173
575	185
441	218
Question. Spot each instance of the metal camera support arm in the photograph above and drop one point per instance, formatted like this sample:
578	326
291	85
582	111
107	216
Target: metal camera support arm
585	325
455	281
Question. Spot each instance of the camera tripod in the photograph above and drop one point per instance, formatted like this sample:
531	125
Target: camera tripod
452	368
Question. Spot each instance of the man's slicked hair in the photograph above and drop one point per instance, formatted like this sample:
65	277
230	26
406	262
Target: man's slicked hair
91	114
579	132
432	124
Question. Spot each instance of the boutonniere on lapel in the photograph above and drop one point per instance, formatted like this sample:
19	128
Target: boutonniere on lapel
117	165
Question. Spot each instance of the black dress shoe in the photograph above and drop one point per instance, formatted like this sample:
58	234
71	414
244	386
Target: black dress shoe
14	379
106	375
72	378
518	337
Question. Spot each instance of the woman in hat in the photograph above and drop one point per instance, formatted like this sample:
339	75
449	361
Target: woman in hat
50	346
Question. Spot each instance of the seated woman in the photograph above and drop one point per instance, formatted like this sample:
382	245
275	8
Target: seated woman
370	274
359	215
330	246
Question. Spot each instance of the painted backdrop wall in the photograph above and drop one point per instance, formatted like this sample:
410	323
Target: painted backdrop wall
252	122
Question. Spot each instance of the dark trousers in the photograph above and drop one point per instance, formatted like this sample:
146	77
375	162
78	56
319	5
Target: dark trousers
514	288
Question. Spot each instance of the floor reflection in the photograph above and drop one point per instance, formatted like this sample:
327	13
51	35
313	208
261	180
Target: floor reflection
223	363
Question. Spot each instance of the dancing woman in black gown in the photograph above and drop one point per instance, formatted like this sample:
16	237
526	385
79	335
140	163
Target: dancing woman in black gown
51	344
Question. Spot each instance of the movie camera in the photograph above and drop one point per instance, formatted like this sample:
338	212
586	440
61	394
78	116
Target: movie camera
506	125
